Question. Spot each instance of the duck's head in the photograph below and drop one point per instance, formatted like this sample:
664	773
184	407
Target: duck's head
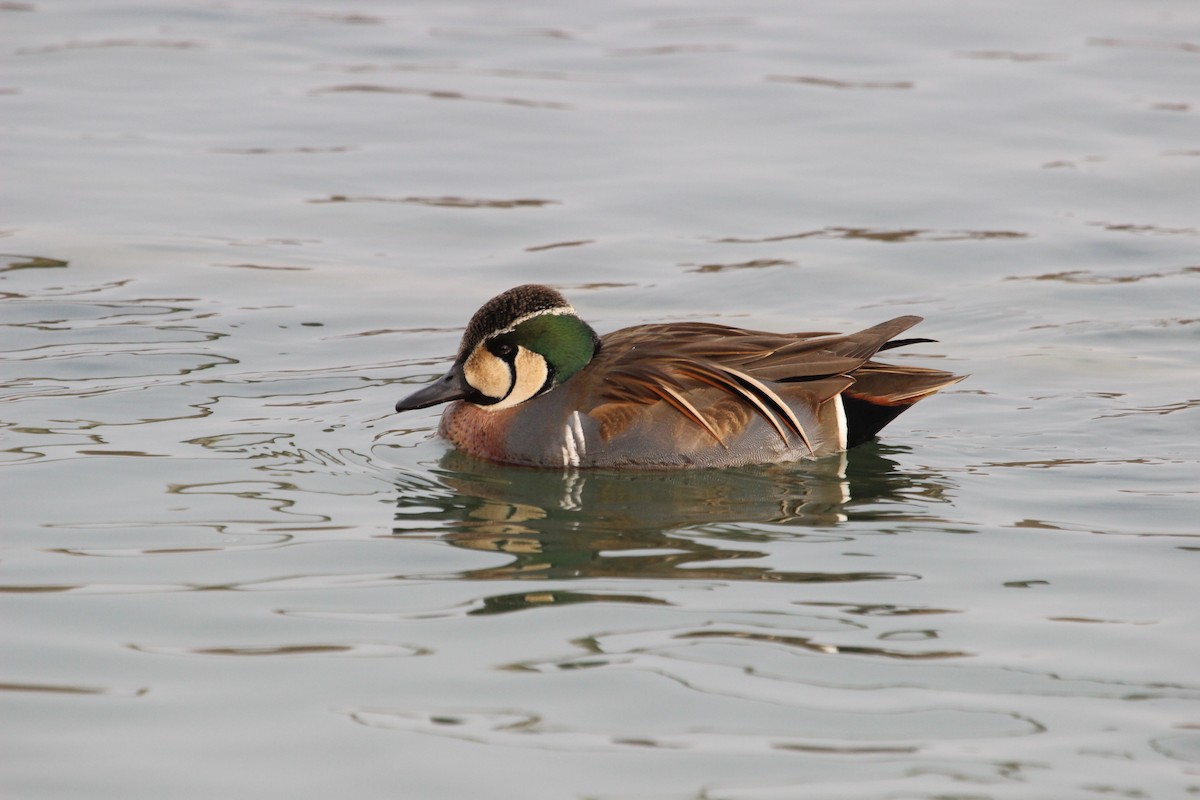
521	344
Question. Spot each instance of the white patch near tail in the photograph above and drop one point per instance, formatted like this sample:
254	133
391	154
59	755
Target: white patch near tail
840	411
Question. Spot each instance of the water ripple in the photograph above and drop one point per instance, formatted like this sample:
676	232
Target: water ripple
880	235
835	83
859	733
71	689
440	94
357	650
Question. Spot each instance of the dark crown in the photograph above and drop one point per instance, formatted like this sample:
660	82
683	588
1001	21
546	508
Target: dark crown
499	313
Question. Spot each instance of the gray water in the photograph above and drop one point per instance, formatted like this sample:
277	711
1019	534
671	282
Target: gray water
235	233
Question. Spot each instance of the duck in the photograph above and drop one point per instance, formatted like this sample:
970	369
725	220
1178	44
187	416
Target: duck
533	385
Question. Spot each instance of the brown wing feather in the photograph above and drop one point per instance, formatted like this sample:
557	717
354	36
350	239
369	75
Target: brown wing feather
765	401
683	406
892	384
652	363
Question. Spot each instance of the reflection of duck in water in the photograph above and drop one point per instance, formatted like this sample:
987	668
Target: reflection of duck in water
536	386
560	524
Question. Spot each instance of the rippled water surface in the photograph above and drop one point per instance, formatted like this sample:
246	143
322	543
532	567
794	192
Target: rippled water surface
235	233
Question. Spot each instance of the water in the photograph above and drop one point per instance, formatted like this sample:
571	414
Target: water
236	233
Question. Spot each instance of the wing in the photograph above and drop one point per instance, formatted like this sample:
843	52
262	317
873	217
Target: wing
769	372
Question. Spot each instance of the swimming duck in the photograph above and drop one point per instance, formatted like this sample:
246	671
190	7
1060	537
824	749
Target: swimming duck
534	385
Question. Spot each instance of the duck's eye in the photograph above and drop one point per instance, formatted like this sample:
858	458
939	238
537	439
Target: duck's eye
503	349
